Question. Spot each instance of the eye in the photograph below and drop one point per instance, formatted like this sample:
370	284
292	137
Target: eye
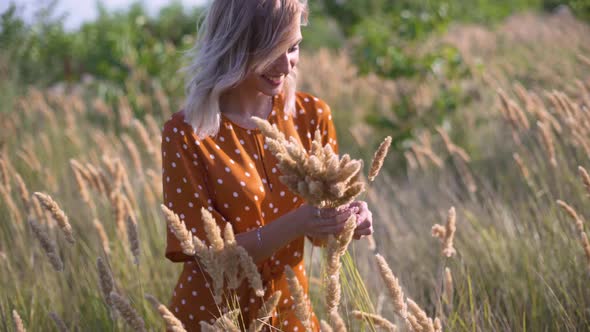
294	48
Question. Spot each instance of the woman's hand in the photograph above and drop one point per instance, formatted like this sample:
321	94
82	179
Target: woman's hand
364	219
319	223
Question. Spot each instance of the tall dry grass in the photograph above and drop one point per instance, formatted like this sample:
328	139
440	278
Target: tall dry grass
520	262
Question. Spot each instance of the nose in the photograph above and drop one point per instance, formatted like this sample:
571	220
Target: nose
283	64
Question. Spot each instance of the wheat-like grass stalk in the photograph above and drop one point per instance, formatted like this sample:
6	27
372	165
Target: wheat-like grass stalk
585	178
265	312
426	324
23	192
392	284
18	322
378	158
128	313
446	233
579	227
133	153
547	140
106	282
179	230
11	205
133	237
102	234
224	323
338	323
172	323
58	215
47	244
5	174
301	307
377	320
524	170
59	323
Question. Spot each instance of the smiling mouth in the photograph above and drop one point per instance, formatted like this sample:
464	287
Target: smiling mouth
275	80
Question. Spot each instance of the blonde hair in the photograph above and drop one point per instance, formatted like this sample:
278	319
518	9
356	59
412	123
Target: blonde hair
235	38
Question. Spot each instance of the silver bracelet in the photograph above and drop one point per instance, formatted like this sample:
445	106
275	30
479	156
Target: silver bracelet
259	236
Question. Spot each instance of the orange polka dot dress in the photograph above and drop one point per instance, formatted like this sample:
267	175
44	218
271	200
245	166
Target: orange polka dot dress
235	176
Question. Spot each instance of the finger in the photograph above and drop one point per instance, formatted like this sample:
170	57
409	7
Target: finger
361	232
363	225
337	229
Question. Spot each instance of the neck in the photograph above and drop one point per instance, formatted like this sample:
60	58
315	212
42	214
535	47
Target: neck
239	103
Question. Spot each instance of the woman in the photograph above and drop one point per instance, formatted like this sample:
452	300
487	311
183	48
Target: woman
214	157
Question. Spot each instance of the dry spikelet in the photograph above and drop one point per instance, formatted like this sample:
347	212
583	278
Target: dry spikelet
59	323
572	213
4	174
265	312
129	314
133	237
250	270
23	191
11	205
378	320
81	182
18	322
585	178
378	158
102	234
337	322
133	153
522	166
301	308
426	324
172	323
58	215
392	284
106	282
325	327
212	230
437	325
548	142
47	245
446	233
179	229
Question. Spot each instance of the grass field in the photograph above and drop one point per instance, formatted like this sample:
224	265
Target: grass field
503	160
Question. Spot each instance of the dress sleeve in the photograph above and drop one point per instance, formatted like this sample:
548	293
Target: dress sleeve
326	125
184	186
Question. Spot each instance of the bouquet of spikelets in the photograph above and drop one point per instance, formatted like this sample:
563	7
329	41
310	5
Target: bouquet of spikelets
320	177
324	180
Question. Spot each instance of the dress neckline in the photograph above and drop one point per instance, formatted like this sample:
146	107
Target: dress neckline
273	110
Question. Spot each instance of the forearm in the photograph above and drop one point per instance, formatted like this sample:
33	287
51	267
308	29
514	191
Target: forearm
272	237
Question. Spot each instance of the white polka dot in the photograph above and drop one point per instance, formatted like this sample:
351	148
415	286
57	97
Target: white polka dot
247	174
202	308
274	170
255	197
196	195
320	111
242	183
294	199
184	146
167	179
195	162
237	151
194	230
247	208
190	204
235	194
275	210
232	161
181	216
251	300
210	208
189	278
194	293
261	188
220	181
167	139
225	205
221	138
169	204
264	181
173	165
282	193
238	219
178	190
295	329
285	301
258	222
183	301
306	99
286	118
251	165
217	146
191	317
197	143
227	169
176	309
255	156
211	156
242	142
265	146
181	286
184	180
286	323
182	132
200	187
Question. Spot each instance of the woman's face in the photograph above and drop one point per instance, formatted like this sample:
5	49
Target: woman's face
270	82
